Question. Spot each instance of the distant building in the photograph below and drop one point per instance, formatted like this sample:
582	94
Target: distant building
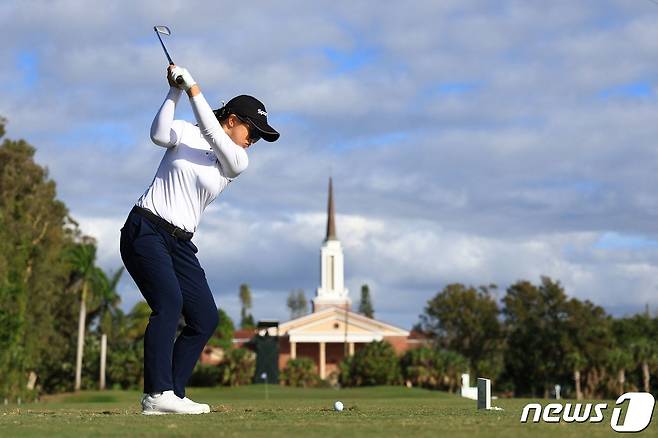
332	330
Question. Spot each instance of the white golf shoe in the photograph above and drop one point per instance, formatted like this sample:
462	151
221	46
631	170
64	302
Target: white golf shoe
202	406
168	403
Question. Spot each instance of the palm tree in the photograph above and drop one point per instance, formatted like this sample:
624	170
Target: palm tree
420	368
138	319
105	302
576	362
619	359
454	365
644	352
82	257
105	299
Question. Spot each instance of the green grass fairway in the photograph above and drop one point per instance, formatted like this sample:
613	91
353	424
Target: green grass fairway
379	412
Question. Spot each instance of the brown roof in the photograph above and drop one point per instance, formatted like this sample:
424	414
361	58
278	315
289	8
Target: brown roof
244	334
417	335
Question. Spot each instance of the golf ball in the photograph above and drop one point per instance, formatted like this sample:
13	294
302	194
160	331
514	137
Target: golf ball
338	406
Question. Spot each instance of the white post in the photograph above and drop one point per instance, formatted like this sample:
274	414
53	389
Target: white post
81	340
484	393
31	380
293	350
557	392
103	358
322	360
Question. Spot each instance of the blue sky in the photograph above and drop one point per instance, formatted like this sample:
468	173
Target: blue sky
469	141
27	63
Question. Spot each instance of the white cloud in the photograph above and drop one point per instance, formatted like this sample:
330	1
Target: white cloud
517	177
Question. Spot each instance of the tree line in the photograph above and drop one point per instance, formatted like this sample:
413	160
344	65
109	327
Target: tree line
56	304
537	337
534	338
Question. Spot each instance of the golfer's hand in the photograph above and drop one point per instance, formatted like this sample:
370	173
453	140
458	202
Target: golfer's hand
187	80
170	76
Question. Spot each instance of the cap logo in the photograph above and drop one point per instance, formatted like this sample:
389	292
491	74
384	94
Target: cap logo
261	112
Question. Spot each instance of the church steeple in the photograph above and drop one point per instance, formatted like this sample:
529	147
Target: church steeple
331	220
332	291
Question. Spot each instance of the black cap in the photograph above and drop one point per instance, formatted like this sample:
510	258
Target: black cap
253	109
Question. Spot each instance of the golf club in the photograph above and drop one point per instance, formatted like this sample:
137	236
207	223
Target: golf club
164	30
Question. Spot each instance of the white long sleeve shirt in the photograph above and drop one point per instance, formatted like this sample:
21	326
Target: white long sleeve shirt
199	163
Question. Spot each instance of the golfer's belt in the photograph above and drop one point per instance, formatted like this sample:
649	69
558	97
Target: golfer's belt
171	229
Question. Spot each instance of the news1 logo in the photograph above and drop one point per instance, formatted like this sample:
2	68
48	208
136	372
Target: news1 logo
638	412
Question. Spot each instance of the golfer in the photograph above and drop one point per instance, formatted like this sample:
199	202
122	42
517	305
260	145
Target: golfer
156	247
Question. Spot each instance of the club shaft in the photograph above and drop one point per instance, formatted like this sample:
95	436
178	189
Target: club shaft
179	79
164	48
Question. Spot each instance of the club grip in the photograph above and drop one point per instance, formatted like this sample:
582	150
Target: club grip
179	79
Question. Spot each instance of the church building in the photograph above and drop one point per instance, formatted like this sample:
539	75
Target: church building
332	330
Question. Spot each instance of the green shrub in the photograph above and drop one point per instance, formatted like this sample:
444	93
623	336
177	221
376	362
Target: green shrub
220	343
205	375
223	336
125	365
345	371
238	367
431	368
374	364
300	372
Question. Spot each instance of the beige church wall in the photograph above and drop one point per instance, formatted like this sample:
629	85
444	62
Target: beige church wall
330	327
309	319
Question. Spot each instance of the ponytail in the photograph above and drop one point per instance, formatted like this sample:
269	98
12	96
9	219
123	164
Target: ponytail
222	114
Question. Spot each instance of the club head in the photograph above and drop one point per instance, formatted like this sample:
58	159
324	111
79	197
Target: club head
164	30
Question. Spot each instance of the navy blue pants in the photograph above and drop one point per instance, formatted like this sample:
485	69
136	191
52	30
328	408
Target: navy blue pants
171	280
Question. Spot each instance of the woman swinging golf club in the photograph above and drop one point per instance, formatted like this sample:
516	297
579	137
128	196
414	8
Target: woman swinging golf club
198	164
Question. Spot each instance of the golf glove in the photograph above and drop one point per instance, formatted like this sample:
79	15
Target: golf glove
187	81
